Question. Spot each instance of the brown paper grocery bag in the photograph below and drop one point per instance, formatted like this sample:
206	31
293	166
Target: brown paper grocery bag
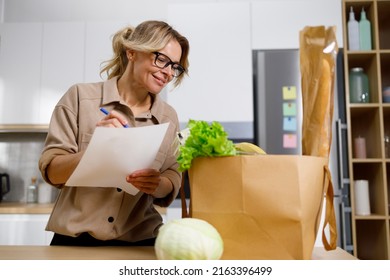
264	207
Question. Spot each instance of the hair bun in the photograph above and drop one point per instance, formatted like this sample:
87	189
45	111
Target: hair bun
126	32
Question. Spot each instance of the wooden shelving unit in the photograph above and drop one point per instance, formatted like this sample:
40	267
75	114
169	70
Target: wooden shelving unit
370	233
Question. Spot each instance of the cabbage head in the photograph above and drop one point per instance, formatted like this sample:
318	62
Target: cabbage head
188	239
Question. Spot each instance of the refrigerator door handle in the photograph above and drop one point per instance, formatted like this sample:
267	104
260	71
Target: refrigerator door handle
343	226
339	127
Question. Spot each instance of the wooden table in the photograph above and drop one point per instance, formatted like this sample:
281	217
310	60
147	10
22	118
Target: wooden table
118	253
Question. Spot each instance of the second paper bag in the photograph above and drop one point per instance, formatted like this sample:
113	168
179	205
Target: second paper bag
264	207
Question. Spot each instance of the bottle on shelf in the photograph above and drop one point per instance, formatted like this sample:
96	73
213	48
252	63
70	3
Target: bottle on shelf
387	146
358	86
32	191
353	32
360	147
364	32
44	192
386	94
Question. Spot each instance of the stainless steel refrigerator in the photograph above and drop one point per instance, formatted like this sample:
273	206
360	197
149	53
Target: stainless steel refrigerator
278	122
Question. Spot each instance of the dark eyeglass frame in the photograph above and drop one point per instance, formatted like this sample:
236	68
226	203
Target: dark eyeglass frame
176	67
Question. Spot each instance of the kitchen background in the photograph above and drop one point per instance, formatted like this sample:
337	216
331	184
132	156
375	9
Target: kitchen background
48	45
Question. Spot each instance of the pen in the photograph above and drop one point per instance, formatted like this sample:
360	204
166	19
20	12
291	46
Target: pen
106	113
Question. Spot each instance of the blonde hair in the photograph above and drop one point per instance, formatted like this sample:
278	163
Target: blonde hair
149	36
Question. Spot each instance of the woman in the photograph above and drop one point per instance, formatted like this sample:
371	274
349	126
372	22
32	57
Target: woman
145	60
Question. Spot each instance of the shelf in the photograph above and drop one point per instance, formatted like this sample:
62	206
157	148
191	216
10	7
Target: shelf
367	160
371	237
385	69
360	109
370	14
371	217
365	122
388	186
371	233
386	119
373	172
20	128
369	62
383	8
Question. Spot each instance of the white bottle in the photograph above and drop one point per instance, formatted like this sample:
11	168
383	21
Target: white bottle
32	194
353	32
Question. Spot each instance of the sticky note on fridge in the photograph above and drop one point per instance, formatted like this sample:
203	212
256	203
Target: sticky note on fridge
289	93
289	109
289	141
290	123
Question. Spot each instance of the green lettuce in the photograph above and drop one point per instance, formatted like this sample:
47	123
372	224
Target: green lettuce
204	140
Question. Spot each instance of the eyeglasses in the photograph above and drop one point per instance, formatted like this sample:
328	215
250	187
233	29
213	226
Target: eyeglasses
162	61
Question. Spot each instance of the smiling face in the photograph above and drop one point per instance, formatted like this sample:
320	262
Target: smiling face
144	72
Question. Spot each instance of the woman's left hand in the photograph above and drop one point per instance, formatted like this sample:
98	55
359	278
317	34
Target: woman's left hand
146	180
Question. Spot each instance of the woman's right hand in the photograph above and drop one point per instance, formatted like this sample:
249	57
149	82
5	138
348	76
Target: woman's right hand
113	119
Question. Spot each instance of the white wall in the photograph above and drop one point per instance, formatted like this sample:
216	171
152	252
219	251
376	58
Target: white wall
1	11
276	23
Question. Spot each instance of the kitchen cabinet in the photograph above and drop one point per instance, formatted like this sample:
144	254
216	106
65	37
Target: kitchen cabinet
20	68
98	47
62	64
24	224
24	229
219	85
40	66
76	59
370	233
38	63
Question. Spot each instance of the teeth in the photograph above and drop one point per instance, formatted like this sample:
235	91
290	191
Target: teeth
248	148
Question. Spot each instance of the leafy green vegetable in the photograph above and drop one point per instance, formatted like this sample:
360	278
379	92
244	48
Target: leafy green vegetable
204	140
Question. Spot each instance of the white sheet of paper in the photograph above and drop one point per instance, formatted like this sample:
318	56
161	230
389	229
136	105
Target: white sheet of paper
114	153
